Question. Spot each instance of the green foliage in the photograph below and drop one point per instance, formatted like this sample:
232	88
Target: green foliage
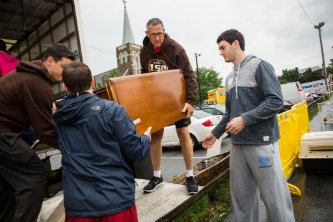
98	85
283	81
113	73
313	111
329	68
309	76
214	206
291	75
209	79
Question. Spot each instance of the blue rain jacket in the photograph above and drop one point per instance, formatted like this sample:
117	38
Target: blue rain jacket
98	143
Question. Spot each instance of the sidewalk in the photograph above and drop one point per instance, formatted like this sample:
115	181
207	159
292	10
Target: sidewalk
315	203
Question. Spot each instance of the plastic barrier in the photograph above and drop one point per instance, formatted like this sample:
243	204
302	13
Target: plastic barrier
292	123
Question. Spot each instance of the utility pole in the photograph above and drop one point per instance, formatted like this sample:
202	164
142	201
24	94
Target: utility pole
196	59
321	24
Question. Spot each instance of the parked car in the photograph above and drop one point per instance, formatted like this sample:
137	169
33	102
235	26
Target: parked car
202	123
311	96
317	87
213	109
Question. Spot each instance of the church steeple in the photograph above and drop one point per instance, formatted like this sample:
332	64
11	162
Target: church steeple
128	54
127	30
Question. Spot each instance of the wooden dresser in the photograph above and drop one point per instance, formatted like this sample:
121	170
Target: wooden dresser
153	99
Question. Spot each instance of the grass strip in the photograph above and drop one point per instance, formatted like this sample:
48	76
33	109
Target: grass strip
213	207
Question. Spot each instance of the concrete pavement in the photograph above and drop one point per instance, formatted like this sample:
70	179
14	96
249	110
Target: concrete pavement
315	203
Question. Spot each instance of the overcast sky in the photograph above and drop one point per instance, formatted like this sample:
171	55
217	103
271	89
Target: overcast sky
278	31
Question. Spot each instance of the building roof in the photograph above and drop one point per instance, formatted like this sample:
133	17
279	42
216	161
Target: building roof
313	69
127	30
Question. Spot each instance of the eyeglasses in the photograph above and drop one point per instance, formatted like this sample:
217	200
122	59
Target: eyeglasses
154	35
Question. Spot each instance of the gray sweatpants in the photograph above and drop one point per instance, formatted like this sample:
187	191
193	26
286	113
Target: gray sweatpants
257	170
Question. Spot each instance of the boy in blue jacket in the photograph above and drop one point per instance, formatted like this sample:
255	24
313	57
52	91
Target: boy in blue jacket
98	143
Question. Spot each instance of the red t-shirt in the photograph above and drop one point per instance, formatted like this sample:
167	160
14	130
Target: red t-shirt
7	63
128	215
158	49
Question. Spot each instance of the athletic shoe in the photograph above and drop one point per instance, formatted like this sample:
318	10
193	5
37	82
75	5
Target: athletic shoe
191	185
153	184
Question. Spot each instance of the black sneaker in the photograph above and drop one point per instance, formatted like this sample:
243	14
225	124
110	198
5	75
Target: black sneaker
153	184
191	185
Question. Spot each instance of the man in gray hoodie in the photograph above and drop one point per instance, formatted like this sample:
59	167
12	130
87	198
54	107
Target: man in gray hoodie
253	99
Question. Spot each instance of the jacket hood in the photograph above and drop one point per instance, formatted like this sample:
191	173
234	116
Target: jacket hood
35	67
72	107
148	46
242	63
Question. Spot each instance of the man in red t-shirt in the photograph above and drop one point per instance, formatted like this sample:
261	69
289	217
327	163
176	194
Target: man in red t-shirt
7	62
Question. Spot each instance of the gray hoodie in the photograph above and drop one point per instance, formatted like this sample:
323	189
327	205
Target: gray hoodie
254	93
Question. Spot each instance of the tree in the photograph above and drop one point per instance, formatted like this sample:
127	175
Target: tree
309	76
329	68
283	81
113	73
291	75
209	79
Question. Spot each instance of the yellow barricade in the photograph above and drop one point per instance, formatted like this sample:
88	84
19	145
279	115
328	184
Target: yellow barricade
292	123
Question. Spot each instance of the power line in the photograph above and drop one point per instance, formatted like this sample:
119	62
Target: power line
101	50
310	20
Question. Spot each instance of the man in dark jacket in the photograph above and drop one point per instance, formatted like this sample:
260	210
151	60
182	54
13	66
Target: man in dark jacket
26	99
253	99
98	143
160	53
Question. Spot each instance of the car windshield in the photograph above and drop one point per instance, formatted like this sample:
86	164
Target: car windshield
200	114
221	108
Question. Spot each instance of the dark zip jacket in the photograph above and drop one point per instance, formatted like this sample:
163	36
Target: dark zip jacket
98	143
254	93
172	56
26	99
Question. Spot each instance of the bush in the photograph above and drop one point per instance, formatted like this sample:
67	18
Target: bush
214	206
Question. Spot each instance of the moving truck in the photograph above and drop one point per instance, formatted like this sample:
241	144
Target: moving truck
316	87
292	93
217	96
28	28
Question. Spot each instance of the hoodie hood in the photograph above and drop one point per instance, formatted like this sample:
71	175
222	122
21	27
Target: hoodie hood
73	107
34	67
242	63
148	46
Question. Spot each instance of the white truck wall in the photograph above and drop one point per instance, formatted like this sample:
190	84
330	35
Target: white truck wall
80	31
317	87
291	94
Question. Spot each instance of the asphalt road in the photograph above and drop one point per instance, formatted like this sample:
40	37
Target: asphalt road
173	162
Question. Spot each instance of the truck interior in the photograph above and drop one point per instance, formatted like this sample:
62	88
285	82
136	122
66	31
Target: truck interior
28	27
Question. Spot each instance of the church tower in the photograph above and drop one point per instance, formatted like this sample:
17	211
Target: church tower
128	54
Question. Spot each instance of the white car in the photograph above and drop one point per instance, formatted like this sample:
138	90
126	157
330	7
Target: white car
310	96
202	123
